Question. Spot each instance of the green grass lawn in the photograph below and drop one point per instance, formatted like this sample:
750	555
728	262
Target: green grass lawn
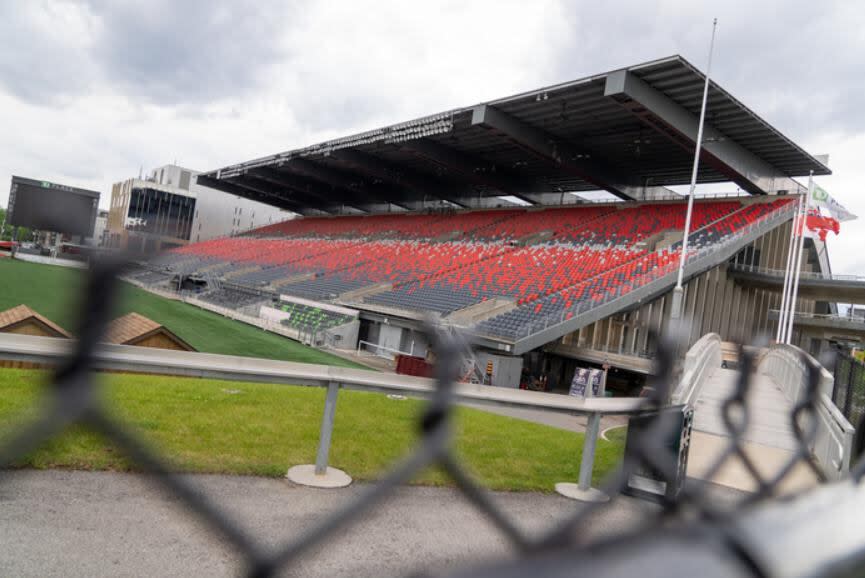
259	429
55	291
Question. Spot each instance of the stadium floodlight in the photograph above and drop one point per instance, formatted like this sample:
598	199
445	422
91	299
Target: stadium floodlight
676	309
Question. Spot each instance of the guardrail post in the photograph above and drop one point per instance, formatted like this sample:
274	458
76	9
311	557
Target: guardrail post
583	490
320	475
587	462
326	429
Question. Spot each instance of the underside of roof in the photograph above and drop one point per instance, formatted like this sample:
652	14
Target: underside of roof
629	131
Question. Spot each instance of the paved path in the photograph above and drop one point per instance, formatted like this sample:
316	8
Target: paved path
770	410
58	523
769	438
563	421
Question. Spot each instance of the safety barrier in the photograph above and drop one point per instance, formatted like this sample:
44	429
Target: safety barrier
789	367
47	351
816	275
56	261
381	350
701	359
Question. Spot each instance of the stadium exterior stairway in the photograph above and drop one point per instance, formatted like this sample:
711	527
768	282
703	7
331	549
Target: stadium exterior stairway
474	314
549	329
242	271
276	285
358	295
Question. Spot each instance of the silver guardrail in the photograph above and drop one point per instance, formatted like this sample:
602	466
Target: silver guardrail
50	351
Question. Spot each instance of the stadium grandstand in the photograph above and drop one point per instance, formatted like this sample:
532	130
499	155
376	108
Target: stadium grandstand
479	217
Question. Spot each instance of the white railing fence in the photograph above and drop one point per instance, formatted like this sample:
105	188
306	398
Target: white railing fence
700	361
816	275
381	350
833	444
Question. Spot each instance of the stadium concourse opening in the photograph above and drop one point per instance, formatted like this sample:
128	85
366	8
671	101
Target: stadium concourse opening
477	216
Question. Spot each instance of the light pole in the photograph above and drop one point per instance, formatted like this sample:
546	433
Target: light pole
678	292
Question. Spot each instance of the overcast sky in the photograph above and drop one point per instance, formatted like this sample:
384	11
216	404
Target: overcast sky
92	91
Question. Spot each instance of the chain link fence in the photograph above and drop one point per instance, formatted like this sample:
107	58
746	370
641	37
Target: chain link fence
849	393
558	551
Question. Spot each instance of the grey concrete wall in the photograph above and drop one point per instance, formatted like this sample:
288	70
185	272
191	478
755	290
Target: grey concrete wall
415	342
390	336
506	368
344	336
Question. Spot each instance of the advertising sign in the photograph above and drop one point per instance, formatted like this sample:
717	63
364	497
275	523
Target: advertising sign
584	379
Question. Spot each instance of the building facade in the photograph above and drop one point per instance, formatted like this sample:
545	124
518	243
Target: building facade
169	209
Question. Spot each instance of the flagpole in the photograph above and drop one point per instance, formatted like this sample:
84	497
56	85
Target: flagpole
795	293
678	292
794	256
788	273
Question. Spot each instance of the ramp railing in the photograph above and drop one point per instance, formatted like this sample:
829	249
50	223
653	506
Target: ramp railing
703	357
791	368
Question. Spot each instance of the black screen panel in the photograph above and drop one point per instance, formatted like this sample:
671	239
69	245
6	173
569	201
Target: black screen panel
51	207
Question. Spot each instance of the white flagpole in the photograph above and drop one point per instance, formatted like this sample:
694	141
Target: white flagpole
678	292
788	273
792	313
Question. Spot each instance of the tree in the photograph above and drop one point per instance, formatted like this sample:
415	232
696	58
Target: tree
24	234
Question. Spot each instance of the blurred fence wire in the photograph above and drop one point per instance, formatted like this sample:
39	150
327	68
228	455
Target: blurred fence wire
715	538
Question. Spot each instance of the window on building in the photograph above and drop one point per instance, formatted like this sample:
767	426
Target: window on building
161	213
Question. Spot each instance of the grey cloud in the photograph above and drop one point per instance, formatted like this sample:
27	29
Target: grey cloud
171	52
41	61
161	51
798	63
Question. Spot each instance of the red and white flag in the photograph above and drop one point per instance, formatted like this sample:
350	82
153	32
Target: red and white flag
818	224
824	215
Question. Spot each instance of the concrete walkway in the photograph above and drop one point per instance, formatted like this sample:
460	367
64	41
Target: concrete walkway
769	438
576	423
60	523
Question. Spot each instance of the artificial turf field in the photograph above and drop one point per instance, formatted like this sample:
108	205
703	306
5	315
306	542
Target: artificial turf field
54	292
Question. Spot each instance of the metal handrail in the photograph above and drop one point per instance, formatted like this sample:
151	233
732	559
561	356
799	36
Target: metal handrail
804	274
50	351
656	276
832	445
361	343
828	316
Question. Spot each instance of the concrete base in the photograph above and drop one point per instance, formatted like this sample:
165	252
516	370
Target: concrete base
305	476
574	492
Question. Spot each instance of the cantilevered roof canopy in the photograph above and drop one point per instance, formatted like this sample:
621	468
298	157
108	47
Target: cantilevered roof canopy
627	132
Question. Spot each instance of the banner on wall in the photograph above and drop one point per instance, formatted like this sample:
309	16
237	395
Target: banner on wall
584	379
